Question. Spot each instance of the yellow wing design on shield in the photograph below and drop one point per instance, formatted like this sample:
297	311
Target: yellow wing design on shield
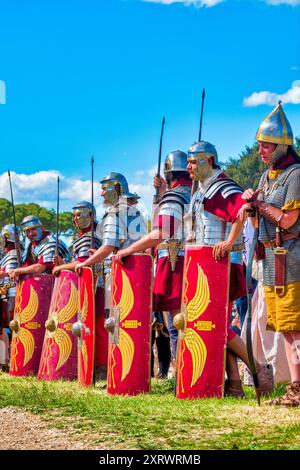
125	342
27	313
195	308
127	300
64	344
201	299
27	340
198	351
61	337
84	309
66	313
127	351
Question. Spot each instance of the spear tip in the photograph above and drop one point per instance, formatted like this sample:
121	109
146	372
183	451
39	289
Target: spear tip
203	93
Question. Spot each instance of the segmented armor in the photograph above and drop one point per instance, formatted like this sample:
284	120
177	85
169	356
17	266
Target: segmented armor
8	264
174	203
121	225
46	249
208	228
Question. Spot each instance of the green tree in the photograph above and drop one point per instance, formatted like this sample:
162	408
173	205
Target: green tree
48	217
247	168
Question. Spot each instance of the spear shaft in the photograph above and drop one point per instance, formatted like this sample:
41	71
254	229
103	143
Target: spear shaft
201	114
159	156
17	241
92	200
57	218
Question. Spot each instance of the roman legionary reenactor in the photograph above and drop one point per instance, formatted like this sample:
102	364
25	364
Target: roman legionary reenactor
275	211
8	263
84	217
213	262
33	295
168	234
121	225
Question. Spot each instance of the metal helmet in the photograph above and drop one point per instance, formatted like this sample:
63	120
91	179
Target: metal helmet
202	149
8	232
83	214
30	222
110	182
276	128
175	161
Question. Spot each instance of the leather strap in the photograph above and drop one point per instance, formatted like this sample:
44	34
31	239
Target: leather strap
280	265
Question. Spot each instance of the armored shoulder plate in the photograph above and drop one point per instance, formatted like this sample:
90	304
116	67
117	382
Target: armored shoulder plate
10	261
82	245
226	186
46	249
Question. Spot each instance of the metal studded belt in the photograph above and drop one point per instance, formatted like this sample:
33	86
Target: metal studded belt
171	244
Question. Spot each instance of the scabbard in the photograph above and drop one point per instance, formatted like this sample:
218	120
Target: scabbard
280	268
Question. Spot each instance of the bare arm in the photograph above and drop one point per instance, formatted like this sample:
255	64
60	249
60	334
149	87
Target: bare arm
33	269
68	266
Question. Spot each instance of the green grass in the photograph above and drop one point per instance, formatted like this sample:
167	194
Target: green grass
157	420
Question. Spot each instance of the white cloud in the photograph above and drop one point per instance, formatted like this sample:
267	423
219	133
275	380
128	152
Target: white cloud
41	188
212	3
283	2
270	98
200	3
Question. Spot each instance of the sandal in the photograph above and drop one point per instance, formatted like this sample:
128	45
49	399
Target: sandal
290	398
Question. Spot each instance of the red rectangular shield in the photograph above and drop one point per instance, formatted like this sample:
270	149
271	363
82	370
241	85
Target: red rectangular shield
28	326
59	354
129	353
203	334
86	318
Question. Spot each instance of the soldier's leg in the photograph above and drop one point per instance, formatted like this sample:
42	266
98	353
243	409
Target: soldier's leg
101	342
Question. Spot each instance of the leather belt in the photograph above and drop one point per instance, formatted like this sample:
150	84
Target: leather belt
171	244
284	237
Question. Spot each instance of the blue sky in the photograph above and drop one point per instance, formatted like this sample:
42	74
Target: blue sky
83	77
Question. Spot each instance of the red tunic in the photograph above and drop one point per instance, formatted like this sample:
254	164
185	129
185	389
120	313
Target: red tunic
167	286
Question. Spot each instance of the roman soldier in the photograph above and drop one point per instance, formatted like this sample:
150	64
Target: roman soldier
8	263
38	256
275	210
215	223
130	310
84	218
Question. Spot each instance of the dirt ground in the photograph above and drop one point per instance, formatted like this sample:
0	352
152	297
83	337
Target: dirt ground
25	431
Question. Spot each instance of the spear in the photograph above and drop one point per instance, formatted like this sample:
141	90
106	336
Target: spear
92	199
195	183
201	114
57	220
17	241
159	157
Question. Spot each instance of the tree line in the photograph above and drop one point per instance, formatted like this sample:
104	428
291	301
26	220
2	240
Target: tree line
48	217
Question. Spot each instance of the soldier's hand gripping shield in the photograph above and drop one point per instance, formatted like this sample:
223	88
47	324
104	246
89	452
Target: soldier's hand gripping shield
202	324
28	325
84	328
59	354
129	326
